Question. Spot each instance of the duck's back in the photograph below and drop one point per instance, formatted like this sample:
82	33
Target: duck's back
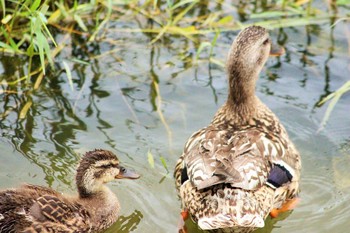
33	208
223	175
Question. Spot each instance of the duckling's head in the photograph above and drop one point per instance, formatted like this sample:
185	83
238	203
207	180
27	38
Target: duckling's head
247	56
97	168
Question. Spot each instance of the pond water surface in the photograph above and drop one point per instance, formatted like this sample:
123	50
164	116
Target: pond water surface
136	99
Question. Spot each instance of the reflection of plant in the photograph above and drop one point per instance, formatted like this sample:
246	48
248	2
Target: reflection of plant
126	224
334	97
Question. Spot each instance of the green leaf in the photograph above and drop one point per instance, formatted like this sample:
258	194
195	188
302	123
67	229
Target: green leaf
150	159
25	109
179	16
217	62
30	50
343	2
272	14
155	3
164	163
181	3
169	3
335	96
6	46
201	47
80	22
76	60
69	75
225	20
44	9
3	7
35	5
42	47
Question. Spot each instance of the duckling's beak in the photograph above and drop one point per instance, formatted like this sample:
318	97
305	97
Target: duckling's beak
276	50
126	174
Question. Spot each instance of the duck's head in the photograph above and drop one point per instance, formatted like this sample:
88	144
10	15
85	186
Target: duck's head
97	168
247	56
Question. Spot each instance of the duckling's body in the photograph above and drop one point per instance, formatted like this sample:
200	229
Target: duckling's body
32	208
233	172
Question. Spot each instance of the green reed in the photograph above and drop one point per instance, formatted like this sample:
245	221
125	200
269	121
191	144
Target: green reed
29	27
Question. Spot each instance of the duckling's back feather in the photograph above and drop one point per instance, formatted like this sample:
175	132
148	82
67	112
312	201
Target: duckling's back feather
32	208
15	205
36	208
60	210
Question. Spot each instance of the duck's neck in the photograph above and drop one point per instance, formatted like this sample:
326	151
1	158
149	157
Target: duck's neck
242	79
103	206
241	99
241	93
86	189
242	103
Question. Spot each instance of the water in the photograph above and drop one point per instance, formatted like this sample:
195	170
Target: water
134	98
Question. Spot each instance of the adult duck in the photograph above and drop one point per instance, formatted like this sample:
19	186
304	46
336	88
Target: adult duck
242	166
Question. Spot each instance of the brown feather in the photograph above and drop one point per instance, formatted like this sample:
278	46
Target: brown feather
229	161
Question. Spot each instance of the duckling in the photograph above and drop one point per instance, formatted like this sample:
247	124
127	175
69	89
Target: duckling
243	165
33	208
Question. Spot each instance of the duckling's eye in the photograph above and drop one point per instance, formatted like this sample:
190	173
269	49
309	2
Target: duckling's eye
266	41
106	166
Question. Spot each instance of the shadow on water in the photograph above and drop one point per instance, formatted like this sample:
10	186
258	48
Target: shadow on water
131	97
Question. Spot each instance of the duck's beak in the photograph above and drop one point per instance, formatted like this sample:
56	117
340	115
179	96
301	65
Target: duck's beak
276	50
125	173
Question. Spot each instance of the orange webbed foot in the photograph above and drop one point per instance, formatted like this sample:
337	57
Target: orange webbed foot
288	205
183	218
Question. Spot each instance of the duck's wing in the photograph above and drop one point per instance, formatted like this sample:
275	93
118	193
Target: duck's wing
241	158
17	205
57	209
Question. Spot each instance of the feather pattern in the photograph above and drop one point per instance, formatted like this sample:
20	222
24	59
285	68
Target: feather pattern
33	208
243	163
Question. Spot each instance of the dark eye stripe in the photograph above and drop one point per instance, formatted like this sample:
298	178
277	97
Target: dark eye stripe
105	166
266	41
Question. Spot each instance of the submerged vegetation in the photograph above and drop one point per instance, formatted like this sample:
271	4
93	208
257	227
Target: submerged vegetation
33	29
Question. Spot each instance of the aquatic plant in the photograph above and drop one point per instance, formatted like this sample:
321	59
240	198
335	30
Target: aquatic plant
33	29
29	27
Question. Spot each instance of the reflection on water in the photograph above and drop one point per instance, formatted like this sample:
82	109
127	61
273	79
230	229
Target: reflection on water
126	224
270	225
132	97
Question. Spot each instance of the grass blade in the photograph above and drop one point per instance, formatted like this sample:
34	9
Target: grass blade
150	159
25	110
335	96
181	3
69	75
179	16
201	47
35	5
162	160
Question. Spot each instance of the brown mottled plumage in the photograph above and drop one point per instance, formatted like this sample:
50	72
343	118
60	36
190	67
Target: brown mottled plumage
233	172
32	208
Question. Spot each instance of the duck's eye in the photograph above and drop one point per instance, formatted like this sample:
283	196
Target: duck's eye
266	41
106	166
